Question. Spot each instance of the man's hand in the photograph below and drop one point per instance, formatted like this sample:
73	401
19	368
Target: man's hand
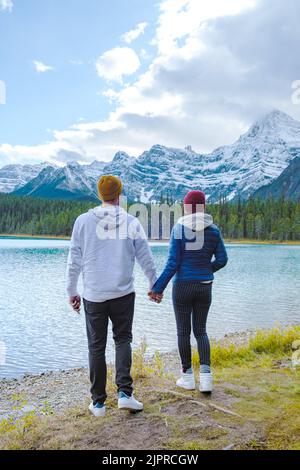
75	302
154	297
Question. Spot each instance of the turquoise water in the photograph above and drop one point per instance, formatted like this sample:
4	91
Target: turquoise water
259	288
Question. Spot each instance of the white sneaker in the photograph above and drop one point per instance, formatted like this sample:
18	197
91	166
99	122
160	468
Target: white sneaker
186	381
129	403
97	410
206	383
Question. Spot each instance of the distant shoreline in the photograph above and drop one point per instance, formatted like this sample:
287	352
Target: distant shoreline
42	237
260	242
228	241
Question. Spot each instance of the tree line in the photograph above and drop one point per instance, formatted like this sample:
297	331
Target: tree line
254	219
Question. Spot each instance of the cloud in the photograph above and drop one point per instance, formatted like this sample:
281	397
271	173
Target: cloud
144	54
218	66
135	33
40	67
181	19
111	95
6	5
116	63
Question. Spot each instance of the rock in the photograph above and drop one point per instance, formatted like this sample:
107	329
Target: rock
296	345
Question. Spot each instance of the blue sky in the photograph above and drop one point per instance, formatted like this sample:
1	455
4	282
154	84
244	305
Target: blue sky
86	78
60	33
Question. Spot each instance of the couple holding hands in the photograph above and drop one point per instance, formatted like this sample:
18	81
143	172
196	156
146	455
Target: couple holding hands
107	262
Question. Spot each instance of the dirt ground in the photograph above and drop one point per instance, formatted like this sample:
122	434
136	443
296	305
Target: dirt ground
245	411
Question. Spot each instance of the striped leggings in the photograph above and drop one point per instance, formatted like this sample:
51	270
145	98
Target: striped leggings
191	301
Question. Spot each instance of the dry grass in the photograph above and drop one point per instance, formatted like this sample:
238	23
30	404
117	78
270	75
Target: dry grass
253	379
274	342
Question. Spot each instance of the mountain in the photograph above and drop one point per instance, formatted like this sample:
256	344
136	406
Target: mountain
120	164
287	185
94	169
255	160
13	177
258	157
71	182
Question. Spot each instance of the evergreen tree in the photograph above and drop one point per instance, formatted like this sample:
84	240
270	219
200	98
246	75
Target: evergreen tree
254	219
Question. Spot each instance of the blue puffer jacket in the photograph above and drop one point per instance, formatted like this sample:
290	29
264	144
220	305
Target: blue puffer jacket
195	240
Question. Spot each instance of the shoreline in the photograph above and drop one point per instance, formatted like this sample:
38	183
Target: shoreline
35	411
236	338
39	237
245	241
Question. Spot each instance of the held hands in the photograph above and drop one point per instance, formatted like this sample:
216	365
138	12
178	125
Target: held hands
157	298
75	303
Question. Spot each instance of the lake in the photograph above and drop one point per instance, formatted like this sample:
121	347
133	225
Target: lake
260	287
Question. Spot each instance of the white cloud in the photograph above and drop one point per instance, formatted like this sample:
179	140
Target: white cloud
12	154
218	67
116	63
40	67
111	95
144	54
6	5
135	33
181	19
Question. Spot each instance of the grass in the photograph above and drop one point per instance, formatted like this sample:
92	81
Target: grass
261	345
254	378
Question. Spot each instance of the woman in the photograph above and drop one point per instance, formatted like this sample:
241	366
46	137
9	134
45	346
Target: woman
195	240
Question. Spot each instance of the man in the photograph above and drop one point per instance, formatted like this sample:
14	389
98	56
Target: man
105	242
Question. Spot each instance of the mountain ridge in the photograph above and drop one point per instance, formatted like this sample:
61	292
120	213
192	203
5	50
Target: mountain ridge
255	160
286	185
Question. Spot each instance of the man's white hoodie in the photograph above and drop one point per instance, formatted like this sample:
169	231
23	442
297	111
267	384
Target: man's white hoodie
104	245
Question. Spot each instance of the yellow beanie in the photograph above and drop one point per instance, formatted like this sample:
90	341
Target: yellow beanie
109	188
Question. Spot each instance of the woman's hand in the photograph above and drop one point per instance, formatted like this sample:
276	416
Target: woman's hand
154	297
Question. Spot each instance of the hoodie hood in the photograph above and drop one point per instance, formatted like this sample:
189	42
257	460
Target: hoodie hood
110	217
196	222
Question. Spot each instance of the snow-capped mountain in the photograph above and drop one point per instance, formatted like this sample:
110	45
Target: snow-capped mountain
120	165
287	184
73	181
255	160
13	177
94	169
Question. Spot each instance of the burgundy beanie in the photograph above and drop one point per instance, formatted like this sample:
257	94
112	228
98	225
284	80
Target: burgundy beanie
195	198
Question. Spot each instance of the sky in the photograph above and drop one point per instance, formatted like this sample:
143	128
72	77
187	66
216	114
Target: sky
84	79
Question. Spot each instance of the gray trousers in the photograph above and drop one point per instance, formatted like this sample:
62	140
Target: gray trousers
120	311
